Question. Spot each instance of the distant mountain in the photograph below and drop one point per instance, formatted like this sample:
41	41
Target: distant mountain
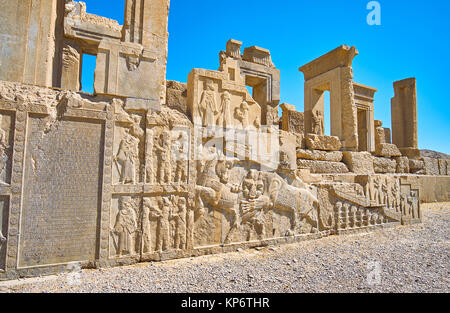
434	154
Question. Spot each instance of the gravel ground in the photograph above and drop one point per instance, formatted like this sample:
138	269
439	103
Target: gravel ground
411	259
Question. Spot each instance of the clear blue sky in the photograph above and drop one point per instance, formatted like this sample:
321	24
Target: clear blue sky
412	41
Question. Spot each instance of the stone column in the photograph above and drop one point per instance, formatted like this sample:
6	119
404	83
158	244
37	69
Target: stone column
349	112
71	66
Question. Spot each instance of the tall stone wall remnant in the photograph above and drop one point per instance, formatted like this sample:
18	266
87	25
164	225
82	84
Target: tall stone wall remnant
404	115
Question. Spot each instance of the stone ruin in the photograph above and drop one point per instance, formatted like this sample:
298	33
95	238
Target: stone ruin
148	170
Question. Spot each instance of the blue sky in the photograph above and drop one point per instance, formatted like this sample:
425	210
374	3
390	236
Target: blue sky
412	41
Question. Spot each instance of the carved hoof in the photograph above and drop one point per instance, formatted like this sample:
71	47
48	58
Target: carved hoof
290	233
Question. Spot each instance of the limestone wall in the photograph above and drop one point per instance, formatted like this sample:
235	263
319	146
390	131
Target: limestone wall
29	37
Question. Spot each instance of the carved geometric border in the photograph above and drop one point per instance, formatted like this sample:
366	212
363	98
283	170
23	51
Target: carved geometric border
107	185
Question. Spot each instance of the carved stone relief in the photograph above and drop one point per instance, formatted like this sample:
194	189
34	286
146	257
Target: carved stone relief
6	124
129	148
124	226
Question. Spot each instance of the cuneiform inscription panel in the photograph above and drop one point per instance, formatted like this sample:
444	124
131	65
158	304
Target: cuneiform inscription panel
61	191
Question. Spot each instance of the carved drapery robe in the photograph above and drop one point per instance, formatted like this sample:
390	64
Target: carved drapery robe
208	108
128	155
125	227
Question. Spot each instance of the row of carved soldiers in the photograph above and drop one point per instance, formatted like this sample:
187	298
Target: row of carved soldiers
174	217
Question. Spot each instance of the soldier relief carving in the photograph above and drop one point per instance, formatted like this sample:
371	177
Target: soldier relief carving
4	152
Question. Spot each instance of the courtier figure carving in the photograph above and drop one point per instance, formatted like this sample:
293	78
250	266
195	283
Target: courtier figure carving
148	207
149	167
317	123
163	214
181	155
163	151
225	119
208	105
128	156
180	224
126	226
190	221
272	116
241	114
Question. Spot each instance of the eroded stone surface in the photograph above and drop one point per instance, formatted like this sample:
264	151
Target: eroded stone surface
322	166
359	162
387	150
411	153
176	96
325	143
384	165
402	165
431	166
443	167
318	155
416	166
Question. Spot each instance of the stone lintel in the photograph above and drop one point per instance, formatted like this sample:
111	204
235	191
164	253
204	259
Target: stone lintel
364	92
342	56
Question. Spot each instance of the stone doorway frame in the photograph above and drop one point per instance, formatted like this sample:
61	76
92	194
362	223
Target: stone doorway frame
333	72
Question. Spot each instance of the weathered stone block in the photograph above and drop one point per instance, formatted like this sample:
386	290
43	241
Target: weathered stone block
359	162
411	153
318	155
416	166
442	167
448	167
431	166
402	165
300	141
321	167
384	165
136	104
326	143
176	96
292	120
288	143
387	150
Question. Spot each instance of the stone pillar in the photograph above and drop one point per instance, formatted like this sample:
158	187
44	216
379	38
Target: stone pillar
348	110
71	66
27	41
404	114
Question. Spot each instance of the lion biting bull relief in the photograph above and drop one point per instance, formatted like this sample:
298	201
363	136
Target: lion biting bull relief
246	204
